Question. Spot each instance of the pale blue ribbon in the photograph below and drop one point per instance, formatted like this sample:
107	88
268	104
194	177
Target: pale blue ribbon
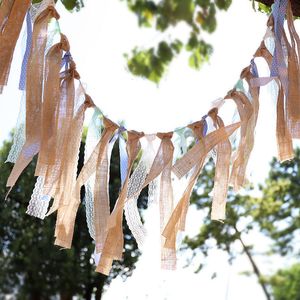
66	60
122	152
22	82
253	69
182	140
205	128
279	67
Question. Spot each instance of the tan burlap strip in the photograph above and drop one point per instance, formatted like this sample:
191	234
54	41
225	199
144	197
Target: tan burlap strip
12	14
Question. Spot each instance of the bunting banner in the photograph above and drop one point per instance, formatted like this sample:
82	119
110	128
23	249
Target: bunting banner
50	126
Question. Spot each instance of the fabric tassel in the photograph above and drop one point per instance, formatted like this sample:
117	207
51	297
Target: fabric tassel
113	247
92	139
101	195
22	81
135	185
58	144
160	163
11	20
19	133
56	122
293	97
168	256
161	160
67	210
177	219
193	159
279	67
51	113
34	88
245	109
283	135
248	74
284	138
222	171
97	163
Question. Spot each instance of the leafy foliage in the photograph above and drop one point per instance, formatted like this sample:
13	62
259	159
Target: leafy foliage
198	15
223	234
31	266
69	4
286	283
152	63
276	213
278	210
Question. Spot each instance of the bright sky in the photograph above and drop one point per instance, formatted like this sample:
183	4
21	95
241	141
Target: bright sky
99	35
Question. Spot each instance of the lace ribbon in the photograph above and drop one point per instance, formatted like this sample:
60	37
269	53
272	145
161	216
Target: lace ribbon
68	207
135	185
92	139
34	89
96	164
113	246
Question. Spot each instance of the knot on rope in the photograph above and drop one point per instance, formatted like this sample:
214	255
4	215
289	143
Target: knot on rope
88	101
164	135
135	135
64	43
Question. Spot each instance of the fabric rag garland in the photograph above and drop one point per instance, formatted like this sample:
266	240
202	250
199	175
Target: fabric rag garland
56	102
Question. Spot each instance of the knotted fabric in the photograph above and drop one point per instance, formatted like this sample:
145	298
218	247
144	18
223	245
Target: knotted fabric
12	15
97	163
192	160
113	247
221	180
68	204
245	110
178	217
34	91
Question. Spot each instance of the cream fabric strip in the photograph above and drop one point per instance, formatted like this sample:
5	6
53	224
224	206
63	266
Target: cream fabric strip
97	160
113	247
50	105
166	201
136	181
178	217
222	171
58	157
12	16
67	210
245	109
284	139
34	88
92	139
293	98
193	159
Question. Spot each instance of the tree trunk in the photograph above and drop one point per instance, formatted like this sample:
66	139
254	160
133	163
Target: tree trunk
100	284
35	296
254	265
65	296
88	293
